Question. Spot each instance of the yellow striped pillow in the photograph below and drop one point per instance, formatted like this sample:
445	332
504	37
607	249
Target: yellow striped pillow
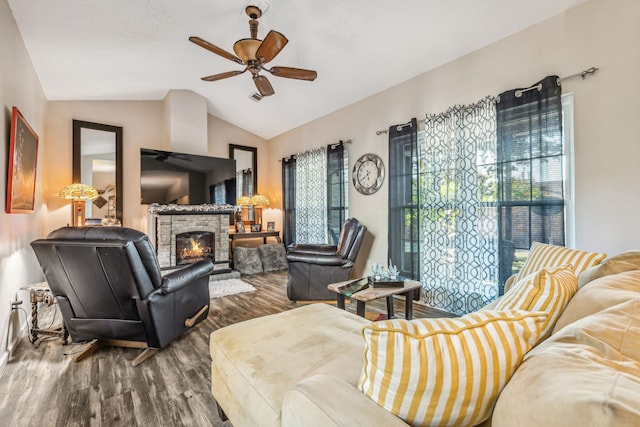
549	289
445	372
542	255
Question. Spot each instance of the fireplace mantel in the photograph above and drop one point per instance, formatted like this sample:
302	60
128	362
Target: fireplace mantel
172	209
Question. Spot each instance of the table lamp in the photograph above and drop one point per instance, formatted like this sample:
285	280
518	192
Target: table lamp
78	193
258	202
244	202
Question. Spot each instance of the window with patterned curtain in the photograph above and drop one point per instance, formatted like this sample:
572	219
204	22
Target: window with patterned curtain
337	190
316	201
404	210
289	200
530	171
459	218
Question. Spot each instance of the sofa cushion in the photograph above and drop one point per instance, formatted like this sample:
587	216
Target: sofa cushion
247	260
620	263
599	295
548	289
445	371
254	363
327	401
273	257
542	255
588	374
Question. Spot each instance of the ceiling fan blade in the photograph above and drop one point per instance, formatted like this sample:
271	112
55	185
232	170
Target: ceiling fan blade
221	76
263	85
293	73
215	49
271	46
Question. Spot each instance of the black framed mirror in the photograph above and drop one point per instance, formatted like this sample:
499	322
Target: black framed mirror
246	169
97	161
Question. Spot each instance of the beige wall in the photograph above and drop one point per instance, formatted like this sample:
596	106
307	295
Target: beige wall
599	33
143	124
19	86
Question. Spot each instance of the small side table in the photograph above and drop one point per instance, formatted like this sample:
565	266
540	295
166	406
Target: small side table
256	235
41	294
370	294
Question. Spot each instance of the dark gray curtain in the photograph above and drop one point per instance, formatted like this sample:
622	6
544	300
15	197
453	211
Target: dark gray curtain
530	171
404	219
289	200
337	190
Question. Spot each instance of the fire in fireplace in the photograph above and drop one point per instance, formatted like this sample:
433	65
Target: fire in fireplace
194	246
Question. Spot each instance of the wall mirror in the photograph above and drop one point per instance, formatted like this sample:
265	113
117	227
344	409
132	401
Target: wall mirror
246	169
97	161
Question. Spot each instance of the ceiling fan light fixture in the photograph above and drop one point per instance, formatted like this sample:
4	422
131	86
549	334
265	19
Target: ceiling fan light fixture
246	49
254	53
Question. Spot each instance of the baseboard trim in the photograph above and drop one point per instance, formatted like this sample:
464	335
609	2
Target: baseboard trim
13	345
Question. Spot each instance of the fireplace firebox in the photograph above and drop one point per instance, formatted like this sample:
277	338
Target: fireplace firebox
194	246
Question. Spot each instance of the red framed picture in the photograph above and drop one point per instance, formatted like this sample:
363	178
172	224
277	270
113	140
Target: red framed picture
23	161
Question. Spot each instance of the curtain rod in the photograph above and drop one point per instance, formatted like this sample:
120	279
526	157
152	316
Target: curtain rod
341	142
582	74
519	92
399	127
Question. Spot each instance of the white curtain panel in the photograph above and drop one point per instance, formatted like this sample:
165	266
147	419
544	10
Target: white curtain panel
311	196
459	211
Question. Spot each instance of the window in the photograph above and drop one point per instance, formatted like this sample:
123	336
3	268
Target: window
315	209
486	181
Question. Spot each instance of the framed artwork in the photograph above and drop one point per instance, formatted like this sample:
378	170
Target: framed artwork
256	228
271	226
240	227
23	158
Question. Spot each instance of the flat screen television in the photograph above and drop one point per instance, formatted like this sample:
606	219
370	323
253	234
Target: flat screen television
168	177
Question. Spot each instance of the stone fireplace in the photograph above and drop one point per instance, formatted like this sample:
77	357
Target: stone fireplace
175	228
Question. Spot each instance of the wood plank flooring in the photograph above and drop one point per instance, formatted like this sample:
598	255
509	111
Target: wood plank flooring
43	386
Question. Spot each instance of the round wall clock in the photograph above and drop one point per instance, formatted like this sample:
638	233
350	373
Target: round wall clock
368	173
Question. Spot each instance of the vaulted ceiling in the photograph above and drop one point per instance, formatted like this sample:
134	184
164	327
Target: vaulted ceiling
139	50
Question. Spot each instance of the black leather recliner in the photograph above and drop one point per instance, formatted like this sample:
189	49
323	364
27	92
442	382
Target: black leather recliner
313	267
109	288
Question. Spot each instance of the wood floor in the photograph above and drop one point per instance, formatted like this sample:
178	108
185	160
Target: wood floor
41	385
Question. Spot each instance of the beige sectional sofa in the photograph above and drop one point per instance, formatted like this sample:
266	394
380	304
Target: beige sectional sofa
301	367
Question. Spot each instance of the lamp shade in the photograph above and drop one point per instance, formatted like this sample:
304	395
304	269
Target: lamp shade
243	201
259	200
78	192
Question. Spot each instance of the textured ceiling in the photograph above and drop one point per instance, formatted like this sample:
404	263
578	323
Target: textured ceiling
138	50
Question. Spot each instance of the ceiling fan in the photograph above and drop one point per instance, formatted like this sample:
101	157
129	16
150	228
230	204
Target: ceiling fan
254	53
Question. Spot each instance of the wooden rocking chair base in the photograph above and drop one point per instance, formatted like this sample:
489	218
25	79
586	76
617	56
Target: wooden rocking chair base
94	345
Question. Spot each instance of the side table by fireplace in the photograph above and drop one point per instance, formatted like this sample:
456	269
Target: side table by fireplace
40	294
256	235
